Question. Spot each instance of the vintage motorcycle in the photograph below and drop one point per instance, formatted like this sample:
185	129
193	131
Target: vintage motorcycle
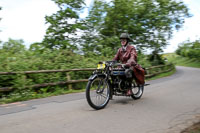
111	78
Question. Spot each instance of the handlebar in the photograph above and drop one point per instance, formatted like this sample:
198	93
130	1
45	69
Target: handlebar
115	63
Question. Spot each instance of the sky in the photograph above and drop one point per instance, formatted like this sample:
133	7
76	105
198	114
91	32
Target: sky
25	19
191	28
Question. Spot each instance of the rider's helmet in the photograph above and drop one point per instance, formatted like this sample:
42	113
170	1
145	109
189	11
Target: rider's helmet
125	36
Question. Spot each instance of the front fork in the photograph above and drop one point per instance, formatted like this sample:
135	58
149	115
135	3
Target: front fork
111	89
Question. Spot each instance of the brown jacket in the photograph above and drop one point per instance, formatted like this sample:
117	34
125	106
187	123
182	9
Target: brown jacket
129	57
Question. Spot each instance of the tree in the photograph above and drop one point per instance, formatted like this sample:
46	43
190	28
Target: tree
13	46
0	10
150	23
189	49
92	25
0	19
63	25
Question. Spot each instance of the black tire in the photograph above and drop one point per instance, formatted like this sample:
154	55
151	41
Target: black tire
98	89
137	92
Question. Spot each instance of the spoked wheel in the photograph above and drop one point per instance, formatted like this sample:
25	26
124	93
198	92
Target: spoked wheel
137	92
98	93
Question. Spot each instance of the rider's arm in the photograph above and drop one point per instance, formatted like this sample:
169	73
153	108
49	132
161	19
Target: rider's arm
116	58
132	61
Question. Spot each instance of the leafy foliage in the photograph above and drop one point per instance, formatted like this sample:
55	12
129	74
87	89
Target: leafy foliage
0	10
182	61
150	23
63	25
14	57
189	49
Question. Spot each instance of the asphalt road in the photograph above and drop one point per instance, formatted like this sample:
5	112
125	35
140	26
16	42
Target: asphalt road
168	105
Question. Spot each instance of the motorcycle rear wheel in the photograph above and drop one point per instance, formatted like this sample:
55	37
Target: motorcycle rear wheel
137	92
98	93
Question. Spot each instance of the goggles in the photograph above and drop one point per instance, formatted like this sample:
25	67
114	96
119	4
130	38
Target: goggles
123	40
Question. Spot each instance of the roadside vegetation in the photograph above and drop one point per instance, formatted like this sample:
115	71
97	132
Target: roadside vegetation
16	58
187	54
54	91
182	61
72	41
195	128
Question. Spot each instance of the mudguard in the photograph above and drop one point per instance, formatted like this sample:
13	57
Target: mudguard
94	76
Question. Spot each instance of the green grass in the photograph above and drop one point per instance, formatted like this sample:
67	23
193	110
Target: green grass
38	96
182	61
163	75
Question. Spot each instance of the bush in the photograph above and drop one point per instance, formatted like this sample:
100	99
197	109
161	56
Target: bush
189	49
38	58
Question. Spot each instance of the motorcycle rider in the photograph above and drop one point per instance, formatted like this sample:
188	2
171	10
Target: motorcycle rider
127	55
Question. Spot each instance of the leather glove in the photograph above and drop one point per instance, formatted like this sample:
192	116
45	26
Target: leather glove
125	66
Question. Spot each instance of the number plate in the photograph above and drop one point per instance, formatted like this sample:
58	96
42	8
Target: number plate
101	66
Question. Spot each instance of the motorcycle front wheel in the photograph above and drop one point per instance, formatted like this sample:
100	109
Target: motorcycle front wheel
98	93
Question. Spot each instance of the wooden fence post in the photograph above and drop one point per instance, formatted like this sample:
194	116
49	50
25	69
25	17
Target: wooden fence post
68	79
149	71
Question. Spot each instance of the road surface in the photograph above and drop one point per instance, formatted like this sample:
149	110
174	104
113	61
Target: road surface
168	105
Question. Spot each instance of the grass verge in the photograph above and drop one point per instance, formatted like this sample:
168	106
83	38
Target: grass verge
38	96
182	61
162	75
195	128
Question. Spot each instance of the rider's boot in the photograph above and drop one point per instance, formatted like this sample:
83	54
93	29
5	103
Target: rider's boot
129	92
